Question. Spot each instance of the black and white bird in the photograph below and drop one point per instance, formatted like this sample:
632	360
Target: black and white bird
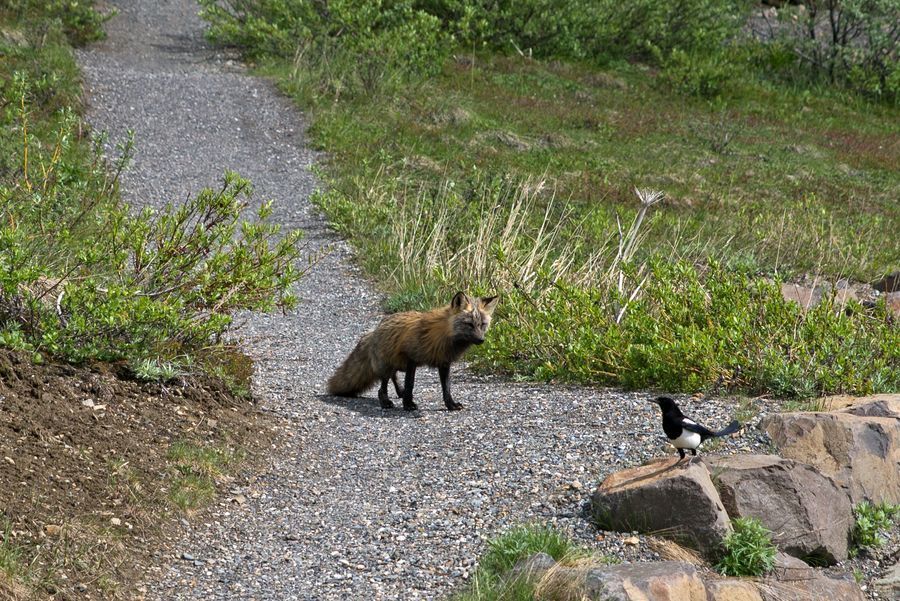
685	433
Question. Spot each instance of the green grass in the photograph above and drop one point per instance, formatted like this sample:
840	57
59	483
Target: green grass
491	581
771	178
196	469
748	551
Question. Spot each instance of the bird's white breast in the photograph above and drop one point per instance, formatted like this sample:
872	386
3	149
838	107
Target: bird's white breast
687	440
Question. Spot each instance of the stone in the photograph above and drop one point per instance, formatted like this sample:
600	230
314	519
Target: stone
661	580
892	302
731	589
808	514
876	405
532	568
860	452
808	297
669	498
889	585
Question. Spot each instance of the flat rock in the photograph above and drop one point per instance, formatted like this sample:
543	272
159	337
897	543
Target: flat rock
808	514
656	581
856	447
889	586
731	589
667	497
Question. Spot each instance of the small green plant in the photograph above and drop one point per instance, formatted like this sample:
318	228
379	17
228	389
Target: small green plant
491	581
10	553
155	370
871	520
196	469
748	551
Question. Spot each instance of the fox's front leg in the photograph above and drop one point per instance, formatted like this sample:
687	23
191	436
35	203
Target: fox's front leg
444	373
408	384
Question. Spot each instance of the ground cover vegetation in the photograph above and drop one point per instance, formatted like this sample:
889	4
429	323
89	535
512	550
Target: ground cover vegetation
500	146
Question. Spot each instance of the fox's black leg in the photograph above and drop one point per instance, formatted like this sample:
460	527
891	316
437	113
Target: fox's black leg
383	396
444	373
397	388
408	384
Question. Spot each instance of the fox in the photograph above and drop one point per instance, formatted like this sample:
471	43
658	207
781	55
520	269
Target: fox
405	341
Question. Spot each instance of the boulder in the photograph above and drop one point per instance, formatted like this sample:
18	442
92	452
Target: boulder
667	497
856	447
792	580
669	580
808	514
731	589
654	581
810	296
889	586
892	302
876	405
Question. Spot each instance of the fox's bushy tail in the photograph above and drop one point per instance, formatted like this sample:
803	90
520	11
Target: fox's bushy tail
356	373
729	429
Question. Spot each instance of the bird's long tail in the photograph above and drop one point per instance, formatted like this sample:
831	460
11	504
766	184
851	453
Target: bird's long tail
729	429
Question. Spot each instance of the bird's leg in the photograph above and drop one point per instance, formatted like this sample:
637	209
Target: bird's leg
681	452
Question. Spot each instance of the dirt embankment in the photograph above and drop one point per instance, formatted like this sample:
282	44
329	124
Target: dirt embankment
91	463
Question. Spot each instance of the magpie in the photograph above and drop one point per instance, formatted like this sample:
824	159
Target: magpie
685	433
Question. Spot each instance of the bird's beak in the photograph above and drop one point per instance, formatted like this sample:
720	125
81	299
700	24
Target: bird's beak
654	401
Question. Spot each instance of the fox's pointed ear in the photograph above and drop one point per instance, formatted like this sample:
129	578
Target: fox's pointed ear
489	303
459	301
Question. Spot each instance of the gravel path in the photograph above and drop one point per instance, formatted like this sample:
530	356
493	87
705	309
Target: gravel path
361	503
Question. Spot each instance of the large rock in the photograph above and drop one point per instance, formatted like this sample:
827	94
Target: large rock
889	586
655	581
672	499
808	514
731	589
793	580
858	447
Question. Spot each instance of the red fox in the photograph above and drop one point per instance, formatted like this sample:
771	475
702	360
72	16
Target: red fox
404	341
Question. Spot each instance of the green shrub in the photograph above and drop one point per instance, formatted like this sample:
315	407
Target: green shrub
853	42
84	277
491	581
870	521
697	74
748	551
80	21
350	47
653	28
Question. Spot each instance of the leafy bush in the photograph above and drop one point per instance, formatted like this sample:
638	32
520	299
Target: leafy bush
870	521
855	42
535	27
80	21
350	46
748	551
697	74
650	28
84	277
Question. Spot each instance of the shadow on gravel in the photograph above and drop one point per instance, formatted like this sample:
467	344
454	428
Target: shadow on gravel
368	407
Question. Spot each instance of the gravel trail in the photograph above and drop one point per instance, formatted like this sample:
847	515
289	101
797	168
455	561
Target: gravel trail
360	503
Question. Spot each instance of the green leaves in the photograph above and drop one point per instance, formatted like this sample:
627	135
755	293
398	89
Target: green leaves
871	521
82	276
748	551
